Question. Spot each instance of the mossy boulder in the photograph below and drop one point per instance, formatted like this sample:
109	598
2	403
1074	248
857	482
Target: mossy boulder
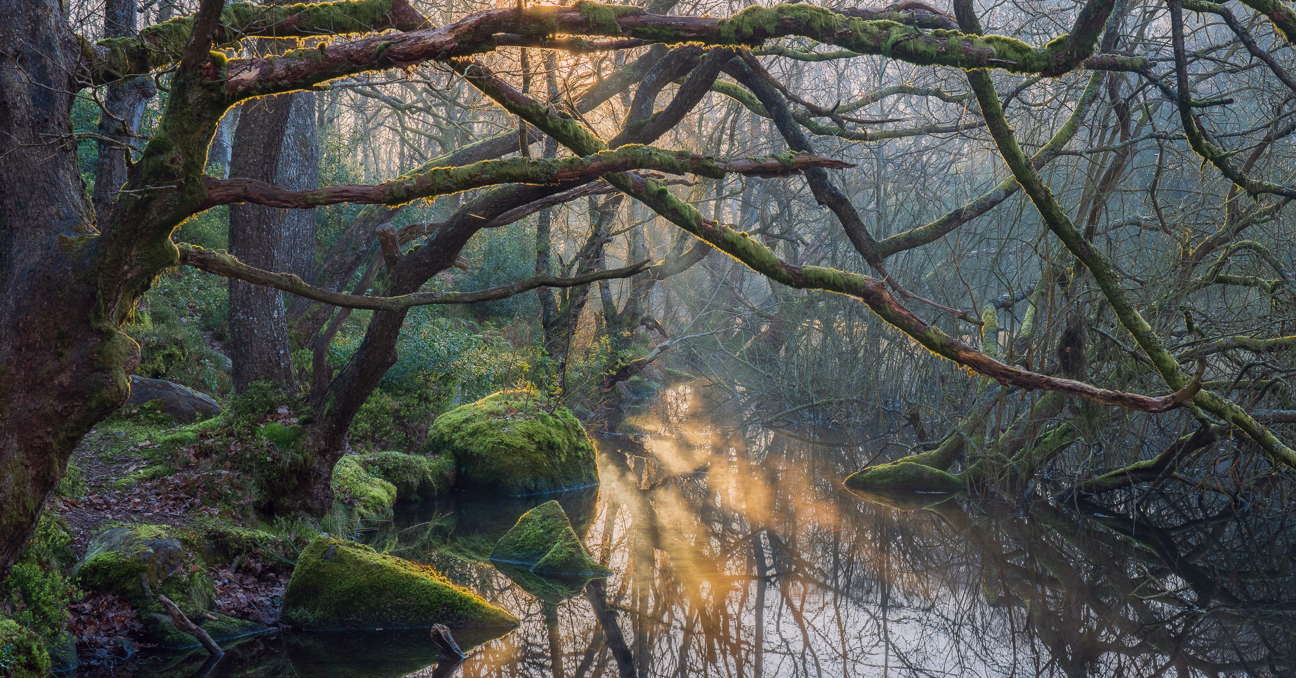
160	630
343	585
514	443
368	495
544	540
467	525
138	561
416	477
22	655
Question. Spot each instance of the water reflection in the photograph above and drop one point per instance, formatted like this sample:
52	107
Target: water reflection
738	553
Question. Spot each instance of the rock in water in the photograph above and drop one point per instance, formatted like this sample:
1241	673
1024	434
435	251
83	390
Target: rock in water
544	539
185	404
514	443
343	585
138	561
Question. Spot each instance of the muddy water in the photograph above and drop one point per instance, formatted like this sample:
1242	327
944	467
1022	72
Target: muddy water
738	553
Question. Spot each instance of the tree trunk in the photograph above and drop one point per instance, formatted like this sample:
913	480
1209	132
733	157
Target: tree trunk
60	370
275	142
124	106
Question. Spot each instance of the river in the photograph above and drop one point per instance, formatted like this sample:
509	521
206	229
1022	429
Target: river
737	552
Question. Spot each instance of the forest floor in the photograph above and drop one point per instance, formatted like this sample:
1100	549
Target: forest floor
106	627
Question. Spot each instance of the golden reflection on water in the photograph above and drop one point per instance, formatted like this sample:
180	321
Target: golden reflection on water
739	554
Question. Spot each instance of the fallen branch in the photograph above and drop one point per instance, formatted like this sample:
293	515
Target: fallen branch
182	622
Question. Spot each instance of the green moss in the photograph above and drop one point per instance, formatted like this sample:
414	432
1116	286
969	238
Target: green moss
223	543
603	18
138	561
903	476
514	443
283	437
22	655
161	631
343	585
370	496
543	538
416	478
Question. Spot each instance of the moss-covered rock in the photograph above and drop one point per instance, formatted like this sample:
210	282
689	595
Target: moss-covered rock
467	525
543	539
416	477
223	543
160	630
138	561
22	655
343	585
370	496
516	444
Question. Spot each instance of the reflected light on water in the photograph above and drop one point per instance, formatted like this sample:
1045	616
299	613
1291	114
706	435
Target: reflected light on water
738	553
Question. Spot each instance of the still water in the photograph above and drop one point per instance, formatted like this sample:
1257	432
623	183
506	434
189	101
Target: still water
738	553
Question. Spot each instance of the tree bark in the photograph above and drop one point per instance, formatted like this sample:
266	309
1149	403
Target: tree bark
276	143
60	370
124	105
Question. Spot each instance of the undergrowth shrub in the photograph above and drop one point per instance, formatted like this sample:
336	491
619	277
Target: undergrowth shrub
169	324
36	593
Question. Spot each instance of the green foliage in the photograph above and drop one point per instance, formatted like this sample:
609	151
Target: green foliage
396	422
343	585
415	477
439	362
168	326
72	484
498	257
209	230
36	594
22	654
261	398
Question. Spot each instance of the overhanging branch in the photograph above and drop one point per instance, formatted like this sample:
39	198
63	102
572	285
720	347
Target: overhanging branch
222	263
448	180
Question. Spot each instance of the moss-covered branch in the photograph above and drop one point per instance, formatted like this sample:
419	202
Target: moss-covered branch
163	44
222	263
1239	342
448	180
476	33
1280	13
937	229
